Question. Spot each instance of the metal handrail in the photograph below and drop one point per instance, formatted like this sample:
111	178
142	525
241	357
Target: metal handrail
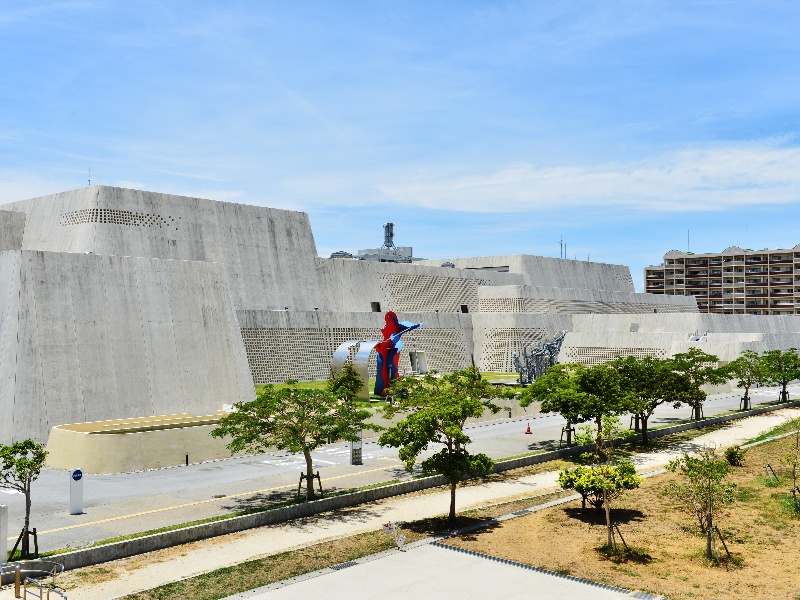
42	588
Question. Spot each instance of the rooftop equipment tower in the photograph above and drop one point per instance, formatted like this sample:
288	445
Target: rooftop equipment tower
388	236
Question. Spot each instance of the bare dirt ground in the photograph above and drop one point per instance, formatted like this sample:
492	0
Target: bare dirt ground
761	530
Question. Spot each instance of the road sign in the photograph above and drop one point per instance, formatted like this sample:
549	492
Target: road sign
76	492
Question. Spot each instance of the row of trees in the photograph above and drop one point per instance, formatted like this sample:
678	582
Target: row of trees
640	385
436	408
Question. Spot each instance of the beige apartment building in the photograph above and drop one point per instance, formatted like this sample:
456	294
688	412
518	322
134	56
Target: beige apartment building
735	281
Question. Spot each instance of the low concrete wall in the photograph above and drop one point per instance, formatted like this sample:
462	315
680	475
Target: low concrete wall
117	550
124	445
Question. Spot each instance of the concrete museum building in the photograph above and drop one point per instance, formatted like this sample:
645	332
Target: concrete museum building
120	304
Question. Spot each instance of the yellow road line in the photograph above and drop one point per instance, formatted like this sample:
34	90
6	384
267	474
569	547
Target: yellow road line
197	503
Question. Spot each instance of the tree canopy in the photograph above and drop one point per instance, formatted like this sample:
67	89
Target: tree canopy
780	367
294	419
748	369
699	368
436	409
21	464
651	382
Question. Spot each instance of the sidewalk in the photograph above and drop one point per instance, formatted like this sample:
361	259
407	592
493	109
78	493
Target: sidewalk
154	569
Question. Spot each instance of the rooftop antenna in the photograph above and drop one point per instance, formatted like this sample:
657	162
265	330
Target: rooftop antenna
90	175
561	247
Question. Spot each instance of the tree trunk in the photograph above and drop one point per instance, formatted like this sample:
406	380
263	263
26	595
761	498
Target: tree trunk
746	401
569	434
697	408
599	441
636	422
607	505
26	549
709	533
784	393
452	515
309	476
645	439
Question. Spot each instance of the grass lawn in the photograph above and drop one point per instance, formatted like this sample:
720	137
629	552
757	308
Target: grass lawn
761	529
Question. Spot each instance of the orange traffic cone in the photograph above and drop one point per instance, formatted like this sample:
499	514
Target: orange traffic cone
528	430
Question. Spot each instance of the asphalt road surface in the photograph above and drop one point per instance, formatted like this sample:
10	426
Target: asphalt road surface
126	503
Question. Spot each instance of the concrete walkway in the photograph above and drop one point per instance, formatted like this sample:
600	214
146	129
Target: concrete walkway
154	569
432	571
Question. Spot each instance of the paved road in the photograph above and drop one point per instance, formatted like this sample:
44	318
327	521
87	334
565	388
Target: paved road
127	503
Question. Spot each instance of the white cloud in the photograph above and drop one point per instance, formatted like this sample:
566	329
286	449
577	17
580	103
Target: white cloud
702	179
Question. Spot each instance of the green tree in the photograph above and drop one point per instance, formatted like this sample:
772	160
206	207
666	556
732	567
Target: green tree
703	489
293	419
437	407
20	465
605	481
748	369
699	368
781	367
557	391
346	385
603	396
580	393
651	382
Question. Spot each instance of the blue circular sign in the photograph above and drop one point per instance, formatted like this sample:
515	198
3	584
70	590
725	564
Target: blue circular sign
77	475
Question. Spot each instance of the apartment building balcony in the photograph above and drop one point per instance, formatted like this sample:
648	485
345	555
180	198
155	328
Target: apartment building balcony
781	261
756	271
698	274
756	294
655	275
781	294
756	304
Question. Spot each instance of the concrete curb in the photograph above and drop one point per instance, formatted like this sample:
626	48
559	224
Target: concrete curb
141	545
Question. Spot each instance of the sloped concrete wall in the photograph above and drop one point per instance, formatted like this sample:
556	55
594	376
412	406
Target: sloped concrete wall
550	272
268	253
12	228
88	337
516	298
352	285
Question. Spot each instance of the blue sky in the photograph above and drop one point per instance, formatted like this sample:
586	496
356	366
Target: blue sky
477	127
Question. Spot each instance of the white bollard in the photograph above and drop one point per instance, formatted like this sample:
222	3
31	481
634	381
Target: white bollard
3	534
76	492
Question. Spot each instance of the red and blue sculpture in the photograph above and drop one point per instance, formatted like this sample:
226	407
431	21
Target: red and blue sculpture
389	351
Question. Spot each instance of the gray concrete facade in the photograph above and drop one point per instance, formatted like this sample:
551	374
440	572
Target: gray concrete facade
118	303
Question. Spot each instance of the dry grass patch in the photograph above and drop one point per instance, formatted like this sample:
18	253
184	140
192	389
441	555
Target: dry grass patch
667	556
252	574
